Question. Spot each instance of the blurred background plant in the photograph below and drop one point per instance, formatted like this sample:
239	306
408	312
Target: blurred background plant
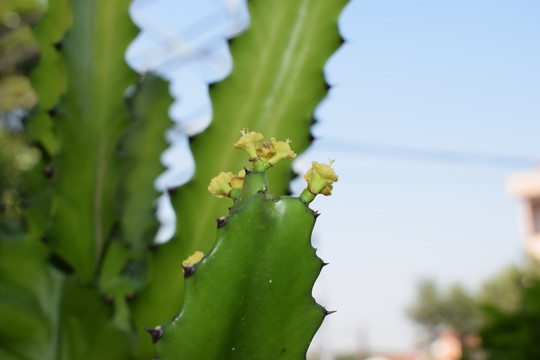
19	53
498	321
16	157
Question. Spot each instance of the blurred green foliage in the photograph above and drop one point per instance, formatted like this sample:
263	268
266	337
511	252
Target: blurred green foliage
19	52
504	313
511	327
453	308
16	92
16	157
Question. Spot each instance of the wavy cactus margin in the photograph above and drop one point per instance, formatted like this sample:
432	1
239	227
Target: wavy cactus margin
250	296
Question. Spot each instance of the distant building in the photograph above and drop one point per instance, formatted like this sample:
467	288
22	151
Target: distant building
527	187
447	346
413	356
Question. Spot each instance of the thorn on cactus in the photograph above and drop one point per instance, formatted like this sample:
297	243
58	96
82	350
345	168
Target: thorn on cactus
188	265
316	214
328	312
288	191
51	112
129	297
188	271
152	246
156	333
58	45
221	222
109	299
323	263
43	238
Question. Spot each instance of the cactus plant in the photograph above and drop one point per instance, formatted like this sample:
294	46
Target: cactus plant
91	275
250	296
276	82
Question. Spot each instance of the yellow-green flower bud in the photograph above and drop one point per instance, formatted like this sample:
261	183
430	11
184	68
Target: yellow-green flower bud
320	179
193	259
220	185
225	183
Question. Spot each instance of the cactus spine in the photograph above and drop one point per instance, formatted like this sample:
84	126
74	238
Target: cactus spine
250	296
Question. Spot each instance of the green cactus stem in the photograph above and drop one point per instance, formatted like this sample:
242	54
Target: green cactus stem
250	296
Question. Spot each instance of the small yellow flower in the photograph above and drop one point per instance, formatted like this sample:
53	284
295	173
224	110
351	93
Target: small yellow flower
220	185
320	178
265	151
223	184
248	142
282	151
193	259
263	154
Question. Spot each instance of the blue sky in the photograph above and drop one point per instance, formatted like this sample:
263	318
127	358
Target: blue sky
414	78
458	76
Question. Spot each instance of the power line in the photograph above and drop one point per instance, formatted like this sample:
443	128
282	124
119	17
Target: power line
187	35
427	154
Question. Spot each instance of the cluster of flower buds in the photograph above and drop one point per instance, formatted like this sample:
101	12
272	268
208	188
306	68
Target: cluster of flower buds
264	155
